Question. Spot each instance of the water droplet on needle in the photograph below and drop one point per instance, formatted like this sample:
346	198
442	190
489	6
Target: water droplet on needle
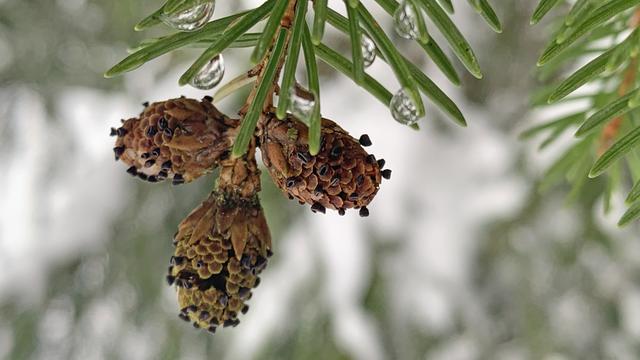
368	50
191	19
210	74
406	21
302	104
403	109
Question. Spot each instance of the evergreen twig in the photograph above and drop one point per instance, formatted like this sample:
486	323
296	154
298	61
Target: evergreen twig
610	129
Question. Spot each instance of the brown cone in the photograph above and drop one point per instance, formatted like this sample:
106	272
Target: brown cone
341	176
221	248
178	139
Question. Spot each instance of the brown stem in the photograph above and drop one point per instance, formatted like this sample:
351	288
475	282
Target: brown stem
241	175
286	22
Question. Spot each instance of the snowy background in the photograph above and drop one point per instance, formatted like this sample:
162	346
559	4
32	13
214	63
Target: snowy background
461	258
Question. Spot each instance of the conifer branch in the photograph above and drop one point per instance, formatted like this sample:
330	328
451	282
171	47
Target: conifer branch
232	31
609	122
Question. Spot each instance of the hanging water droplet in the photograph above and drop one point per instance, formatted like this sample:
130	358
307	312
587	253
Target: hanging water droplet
191	19
302	104
406	21
368	50
210	74
403	109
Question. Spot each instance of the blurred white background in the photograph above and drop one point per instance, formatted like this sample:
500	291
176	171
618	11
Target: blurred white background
461	258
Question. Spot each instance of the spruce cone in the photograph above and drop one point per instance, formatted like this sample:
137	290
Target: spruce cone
179	139
341	176
221	248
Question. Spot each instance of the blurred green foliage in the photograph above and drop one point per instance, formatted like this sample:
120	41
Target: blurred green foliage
112	301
